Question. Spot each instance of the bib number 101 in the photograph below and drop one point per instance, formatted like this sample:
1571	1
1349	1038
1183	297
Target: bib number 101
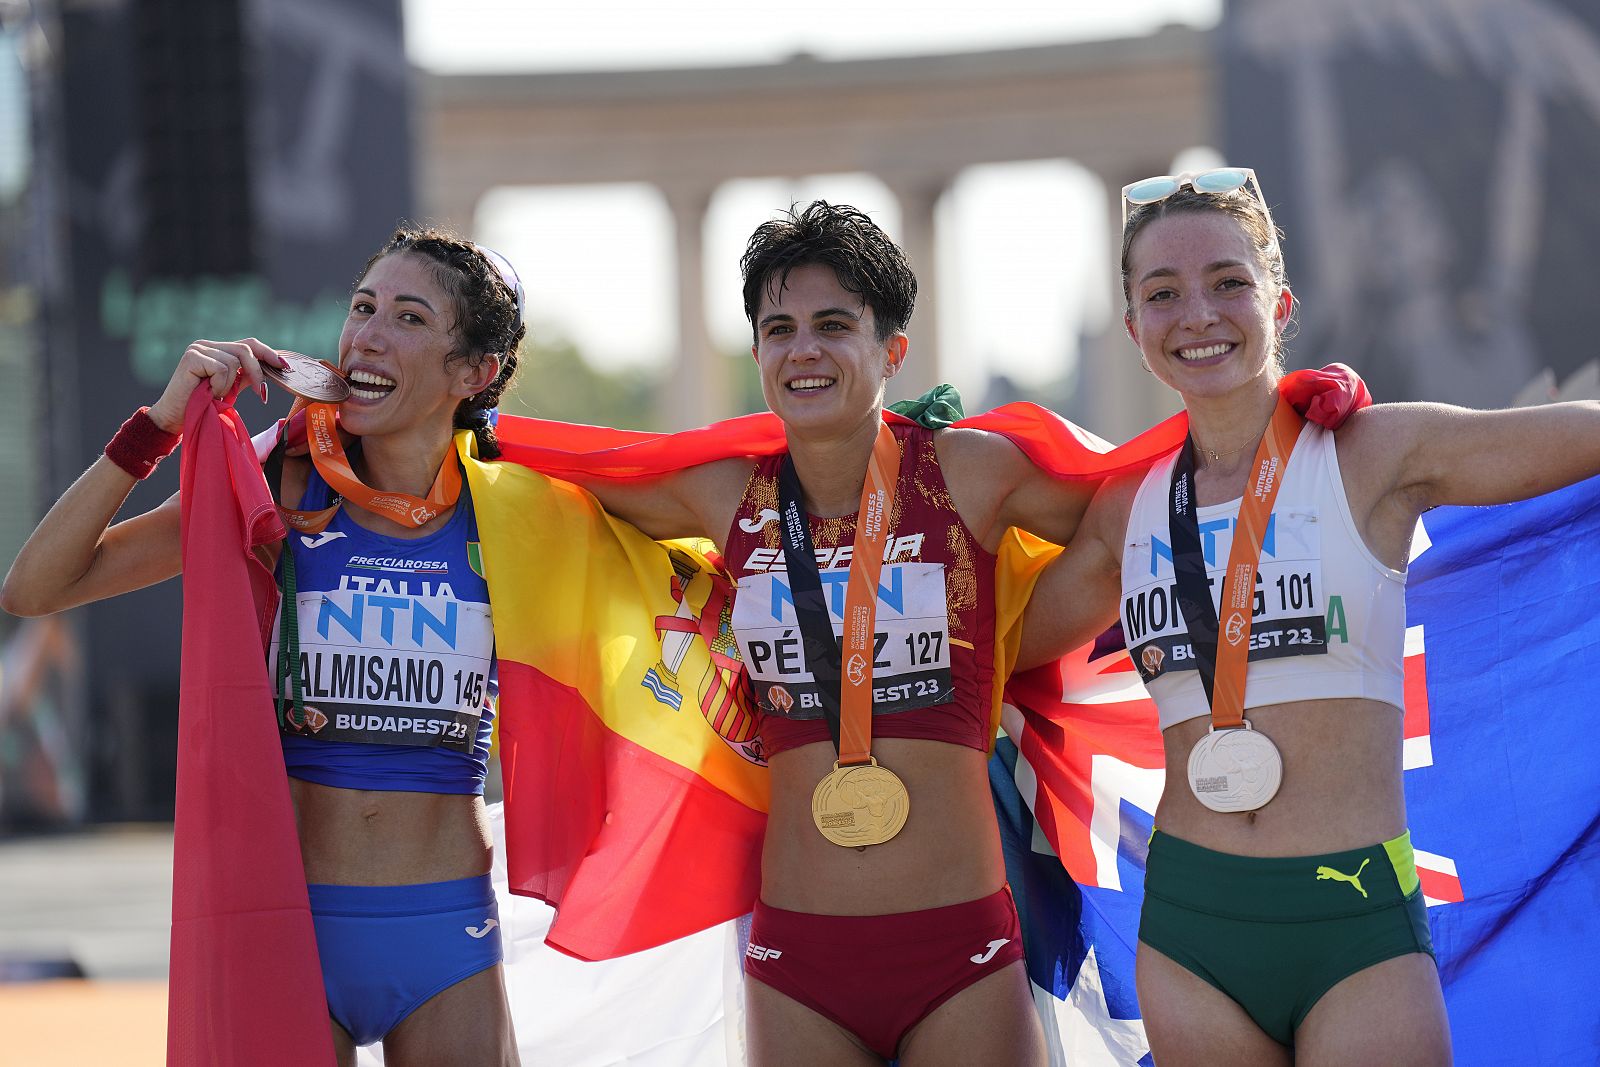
1295	592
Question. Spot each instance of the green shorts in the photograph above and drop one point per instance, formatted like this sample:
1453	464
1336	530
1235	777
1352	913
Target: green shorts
1277	933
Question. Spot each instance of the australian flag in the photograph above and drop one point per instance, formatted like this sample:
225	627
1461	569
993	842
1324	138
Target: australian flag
1502	776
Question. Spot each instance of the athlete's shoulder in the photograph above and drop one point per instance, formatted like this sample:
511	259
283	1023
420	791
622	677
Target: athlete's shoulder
968	453
1112	508
720	483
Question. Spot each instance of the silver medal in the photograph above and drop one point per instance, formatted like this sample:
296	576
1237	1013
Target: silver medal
1235	769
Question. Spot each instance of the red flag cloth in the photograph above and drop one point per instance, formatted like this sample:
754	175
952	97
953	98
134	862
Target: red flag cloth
564	449
245	988
1327	397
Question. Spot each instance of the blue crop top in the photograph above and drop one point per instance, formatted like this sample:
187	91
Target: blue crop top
396	656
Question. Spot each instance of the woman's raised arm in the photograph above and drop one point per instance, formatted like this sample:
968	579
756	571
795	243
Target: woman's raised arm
75	556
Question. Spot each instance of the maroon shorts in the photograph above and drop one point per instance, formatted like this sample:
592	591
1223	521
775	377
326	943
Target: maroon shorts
879	975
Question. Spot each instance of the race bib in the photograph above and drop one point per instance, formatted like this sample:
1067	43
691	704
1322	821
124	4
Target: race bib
911	653
1288	617
392	669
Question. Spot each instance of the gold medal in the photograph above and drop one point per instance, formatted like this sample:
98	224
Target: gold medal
860	804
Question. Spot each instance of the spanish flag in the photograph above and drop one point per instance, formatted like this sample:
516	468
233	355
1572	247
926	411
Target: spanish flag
635	796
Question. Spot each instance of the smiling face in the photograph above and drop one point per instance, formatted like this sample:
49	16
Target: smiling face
396	349
1204	308
822	364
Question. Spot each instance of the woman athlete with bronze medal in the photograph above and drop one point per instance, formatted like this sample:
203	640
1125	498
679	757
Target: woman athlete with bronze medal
386	782
1234	767
323	386
319	387
859	803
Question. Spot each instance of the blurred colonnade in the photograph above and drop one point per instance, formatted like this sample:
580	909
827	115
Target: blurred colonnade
1116	108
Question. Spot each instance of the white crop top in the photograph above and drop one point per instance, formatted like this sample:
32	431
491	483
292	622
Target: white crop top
1329	619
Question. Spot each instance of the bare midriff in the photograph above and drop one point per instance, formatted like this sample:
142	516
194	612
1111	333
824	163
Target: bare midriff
1341	782
948	852
367	837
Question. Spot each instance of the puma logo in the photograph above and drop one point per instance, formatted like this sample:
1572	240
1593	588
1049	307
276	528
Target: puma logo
322	538
482	931
1339	876
988	954
754	525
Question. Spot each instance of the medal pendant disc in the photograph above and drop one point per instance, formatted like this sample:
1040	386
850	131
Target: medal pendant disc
308	378
861	804
1235	770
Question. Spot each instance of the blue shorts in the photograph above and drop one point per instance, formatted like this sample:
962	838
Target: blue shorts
387	948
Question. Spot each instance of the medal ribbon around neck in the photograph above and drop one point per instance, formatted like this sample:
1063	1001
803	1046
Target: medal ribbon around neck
1223	669
328	453
858	803
849	657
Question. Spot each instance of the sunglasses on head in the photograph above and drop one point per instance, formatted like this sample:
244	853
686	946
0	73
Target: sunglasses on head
1221	180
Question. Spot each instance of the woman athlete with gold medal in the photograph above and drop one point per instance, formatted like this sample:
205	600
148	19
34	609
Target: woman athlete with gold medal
903	943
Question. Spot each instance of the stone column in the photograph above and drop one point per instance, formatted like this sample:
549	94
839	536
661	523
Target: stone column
450	201
1116	395
919	193
697	390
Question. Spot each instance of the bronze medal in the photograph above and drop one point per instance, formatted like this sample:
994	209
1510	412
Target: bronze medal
309	378
860	804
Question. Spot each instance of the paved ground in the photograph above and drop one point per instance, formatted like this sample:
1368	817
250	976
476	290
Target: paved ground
83	1023
102	898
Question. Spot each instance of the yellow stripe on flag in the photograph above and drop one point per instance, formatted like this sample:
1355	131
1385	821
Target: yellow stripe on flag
1020	561
589	601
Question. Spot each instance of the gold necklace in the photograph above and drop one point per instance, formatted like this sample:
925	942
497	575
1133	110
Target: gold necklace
1214	455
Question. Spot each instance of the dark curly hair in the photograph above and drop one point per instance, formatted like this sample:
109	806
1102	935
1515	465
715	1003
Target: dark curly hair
487	318
867	262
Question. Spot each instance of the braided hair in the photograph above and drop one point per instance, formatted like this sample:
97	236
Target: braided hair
488	317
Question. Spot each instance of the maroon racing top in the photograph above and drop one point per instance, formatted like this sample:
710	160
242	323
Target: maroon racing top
934	661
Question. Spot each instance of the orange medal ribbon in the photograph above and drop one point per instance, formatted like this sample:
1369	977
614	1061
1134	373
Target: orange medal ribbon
861	600
328	453
1239	580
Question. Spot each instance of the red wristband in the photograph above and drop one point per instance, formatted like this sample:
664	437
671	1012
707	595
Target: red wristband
140	445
